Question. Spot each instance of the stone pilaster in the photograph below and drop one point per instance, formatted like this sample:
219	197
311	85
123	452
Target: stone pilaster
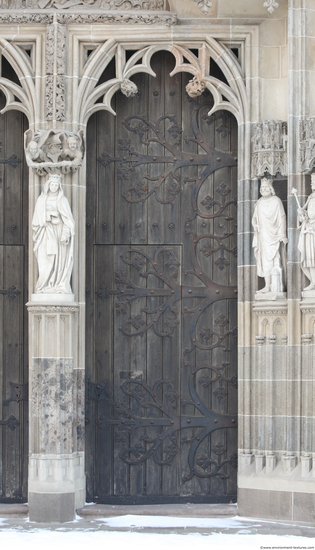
56	459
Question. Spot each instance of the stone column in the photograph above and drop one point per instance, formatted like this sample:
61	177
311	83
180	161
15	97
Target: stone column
56	460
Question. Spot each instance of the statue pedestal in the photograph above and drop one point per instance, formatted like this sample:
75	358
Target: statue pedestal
52	298
270	296
56	449
309	295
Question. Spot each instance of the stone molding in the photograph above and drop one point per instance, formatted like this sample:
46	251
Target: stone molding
307	144
52	309
19	18
279	310
168	19
151	5
270	148
67	18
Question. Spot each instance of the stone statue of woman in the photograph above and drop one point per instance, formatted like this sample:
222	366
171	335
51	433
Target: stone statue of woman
306	245
270	238
53	232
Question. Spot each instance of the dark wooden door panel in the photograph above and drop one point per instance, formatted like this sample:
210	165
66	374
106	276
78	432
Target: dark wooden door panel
13	316
161	297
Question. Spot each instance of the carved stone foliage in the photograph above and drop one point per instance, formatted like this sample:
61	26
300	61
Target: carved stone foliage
55	70
204	5
195	87
271	5
130	18
26	18
53	151
270	148
154	5
307	144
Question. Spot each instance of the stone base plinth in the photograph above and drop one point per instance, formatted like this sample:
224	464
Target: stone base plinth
298	507
56	463
282	491
52	298
270	296
51	507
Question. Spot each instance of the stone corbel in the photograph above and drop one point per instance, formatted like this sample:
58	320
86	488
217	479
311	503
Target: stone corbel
307	145
54	151
270	148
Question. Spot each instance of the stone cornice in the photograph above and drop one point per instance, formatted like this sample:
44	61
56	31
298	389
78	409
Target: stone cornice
92	17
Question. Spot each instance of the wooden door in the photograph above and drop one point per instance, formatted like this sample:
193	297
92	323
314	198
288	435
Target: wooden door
161	347
13	297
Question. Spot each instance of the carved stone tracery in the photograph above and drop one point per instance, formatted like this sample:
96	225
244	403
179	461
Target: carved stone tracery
270	148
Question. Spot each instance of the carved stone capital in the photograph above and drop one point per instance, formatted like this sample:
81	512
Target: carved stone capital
54	151
307	145
270	148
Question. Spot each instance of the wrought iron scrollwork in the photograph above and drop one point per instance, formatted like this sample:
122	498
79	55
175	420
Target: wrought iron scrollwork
11	292
12	161
167	133
160	421
150	421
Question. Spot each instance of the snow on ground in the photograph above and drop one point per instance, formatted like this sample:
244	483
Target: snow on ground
63	538
52	540
169	522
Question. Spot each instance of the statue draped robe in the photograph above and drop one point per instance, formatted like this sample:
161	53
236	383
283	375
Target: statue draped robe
269	221
55	259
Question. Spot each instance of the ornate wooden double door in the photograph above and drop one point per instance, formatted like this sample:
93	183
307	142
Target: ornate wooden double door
161	334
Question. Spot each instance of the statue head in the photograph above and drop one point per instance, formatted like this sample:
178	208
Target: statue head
33	149
72	143
53	183
266	188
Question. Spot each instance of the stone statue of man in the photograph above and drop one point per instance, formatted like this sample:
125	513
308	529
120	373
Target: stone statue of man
270	238
306	245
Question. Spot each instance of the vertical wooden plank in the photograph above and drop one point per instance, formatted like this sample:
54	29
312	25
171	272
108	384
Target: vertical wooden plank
13	340
91	193
13	178
2	298
173	223
2	153
104	312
